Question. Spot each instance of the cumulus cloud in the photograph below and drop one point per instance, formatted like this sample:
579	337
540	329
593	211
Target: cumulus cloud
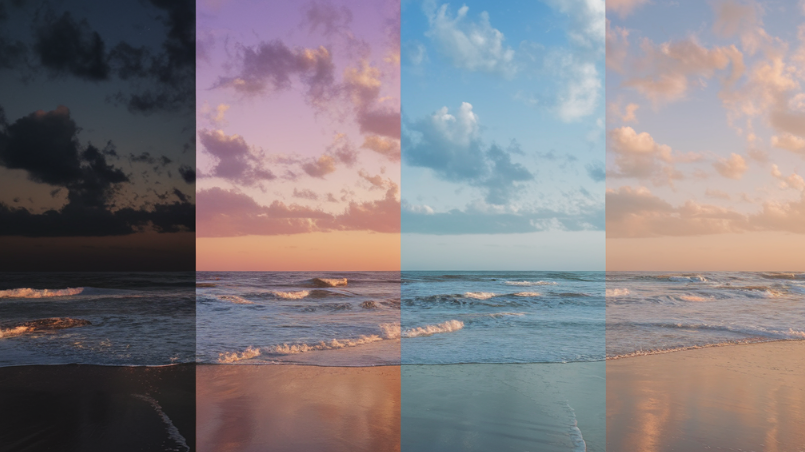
387	147
472	46
625	114
793	180
789	142
731	168
236	160
637	155
451	146
320	167
671	68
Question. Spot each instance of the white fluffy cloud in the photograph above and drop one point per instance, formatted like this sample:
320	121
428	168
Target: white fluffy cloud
473	46
731	168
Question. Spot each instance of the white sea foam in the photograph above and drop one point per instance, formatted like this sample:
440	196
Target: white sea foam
480	295
292	349
527	294
390	330
25	292
227	358
617	292
693	278
173	432
579	445
330	282
530	283
695	298
291	295
427	330
16	331
234	299
505	314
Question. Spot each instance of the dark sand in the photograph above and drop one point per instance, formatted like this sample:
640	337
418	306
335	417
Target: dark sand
503	407
282	408
97	408
742	397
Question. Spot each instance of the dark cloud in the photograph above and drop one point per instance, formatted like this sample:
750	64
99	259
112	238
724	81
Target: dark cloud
305	194
45	145
66	46
187	173
237	161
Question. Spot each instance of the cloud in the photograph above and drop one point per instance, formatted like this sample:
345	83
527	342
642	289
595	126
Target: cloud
794	180
789	142
386	147
637	155
66	46
328	18
633	213
451	146
627	114
188	174
731	168
305	194
472	46
624	7
45	145
270	66
227	213
669	68
320	167
617	47
596	171
477	220
237	161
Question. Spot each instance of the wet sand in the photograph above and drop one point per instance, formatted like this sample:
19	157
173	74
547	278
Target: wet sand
97	408
285	408
743	397
503	407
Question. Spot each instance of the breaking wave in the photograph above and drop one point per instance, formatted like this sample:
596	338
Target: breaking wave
291	295
428	330
292	349
617	292
329	282
480	295
227	358
25	292
234	299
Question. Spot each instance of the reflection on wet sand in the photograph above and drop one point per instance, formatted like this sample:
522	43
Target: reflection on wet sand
745	397
298	408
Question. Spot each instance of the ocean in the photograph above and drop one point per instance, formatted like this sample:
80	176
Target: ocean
110	319
653	312
315	318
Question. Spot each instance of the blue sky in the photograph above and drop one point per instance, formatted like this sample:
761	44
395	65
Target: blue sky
503	135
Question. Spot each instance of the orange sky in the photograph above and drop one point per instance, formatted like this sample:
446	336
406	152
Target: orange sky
318	251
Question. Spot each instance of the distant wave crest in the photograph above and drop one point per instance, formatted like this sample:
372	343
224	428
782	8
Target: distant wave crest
480	295
329	282
25	292
234	299
617	292
291	295
428	330
530	283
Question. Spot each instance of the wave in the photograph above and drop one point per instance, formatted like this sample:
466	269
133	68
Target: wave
173	432
52	323
527	294
291	295
293	349
329	282
228	358
25	292
617	292
530	283
480	295
747	331
579	445
15	331
505	314
234	299
428	330
695	298
206	284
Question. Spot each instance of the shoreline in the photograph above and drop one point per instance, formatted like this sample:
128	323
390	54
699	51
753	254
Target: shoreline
698	347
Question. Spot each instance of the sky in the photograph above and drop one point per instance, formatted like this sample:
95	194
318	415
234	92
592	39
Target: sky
298	135
97	159
705	135
503	143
